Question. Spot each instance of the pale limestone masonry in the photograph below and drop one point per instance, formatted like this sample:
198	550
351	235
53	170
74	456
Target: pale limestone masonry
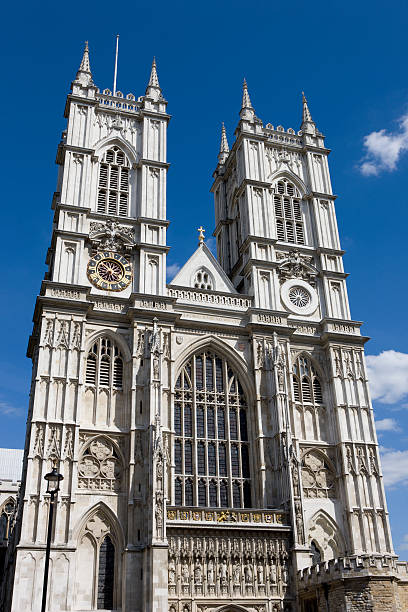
215	434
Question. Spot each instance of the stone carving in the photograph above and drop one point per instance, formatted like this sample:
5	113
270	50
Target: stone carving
54	443
39	441
299	522
317	476
63	335
76	337
111	236
49	333
295	265
140	348
248	573
198	574
100	467
69	443
98	526
222	564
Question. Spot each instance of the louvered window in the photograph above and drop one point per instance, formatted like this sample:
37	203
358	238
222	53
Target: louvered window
317	391
113	184
307	391
104	365
211	450
288	213
91	367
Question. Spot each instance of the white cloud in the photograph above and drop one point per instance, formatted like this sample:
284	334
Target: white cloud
387	425
172	270
212	245
394	466
388	376
8	409
404	544
383	149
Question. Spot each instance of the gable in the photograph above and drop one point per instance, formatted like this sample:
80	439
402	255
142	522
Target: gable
202	271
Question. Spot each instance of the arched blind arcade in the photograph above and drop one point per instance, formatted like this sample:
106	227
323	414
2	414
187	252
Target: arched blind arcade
288	213
104	365
211	447
113	183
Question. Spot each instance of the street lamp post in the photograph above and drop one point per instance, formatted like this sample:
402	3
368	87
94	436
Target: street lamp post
53	479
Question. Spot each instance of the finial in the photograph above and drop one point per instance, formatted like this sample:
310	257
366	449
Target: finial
84	75
154	79
224	148
201	236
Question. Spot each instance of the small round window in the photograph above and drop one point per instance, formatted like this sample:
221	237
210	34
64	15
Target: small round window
299	296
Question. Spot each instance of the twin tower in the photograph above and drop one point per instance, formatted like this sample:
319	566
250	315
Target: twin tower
215	434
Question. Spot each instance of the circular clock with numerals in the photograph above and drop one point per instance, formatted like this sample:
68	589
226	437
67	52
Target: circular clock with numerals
110	271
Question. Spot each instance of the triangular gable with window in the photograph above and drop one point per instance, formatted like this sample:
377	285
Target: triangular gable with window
202	271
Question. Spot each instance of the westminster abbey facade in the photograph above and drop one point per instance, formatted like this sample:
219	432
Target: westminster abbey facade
215	433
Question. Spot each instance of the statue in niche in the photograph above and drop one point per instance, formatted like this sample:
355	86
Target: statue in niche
249	575
223	571
172	572
260	574
210	572
273	575
185	573
198	574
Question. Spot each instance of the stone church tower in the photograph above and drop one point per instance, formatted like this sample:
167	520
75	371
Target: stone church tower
215	434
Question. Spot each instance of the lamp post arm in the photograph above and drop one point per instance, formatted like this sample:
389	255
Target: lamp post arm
47	553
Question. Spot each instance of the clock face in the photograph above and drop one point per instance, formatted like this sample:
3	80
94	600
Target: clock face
109	270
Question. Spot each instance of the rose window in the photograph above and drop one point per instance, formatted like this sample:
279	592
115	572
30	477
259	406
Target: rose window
299	297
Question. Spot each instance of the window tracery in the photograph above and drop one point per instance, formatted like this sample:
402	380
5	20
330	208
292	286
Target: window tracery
211	452
104	364
100	467
113	183
288	213
318	477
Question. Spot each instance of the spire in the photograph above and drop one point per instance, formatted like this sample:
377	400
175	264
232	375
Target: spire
153	89
247	110
308	125
154	79
84	75
224	148
246	101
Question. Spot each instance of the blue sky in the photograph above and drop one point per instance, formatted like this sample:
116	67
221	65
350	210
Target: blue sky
349	57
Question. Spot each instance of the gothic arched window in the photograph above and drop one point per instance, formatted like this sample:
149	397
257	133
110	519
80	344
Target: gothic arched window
308	398
6	520
104	365
113	183
106	573
288	213
211	449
